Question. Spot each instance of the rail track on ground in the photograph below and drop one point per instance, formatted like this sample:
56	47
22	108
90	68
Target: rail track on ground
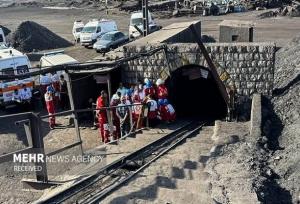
96	187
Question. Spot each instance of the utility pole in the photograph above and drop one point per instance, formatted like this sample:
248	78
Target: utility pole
145	17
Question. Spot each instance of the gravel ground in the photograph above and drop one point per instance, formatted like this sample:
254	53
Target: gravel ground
278	30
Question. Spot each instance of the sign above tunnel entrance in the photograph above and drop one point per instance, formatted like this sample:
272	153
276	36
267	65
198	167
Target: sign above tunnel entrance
195	73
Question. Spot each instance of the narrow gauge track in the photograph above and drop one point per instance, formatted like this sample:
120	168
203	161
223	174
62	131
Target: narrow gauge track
94	188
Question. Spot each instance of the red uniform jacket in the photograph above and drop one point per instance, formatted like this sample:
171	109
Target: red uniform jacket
100	104
152	104
150	91
162	92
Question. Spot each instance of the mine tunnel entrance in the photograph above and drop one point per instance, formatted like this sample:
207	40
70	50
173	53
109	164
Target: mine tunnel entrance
194	93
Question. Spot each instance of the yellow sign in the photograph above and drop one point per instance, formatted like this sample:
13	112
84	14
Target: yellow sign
224	76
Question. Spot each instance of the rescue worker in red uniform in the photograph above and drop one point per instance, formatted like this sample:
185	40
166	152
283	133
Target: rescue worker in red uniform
136	111
102	116
161	90
56	86
171	114
149	90
115	101
163	112
152	111
50	106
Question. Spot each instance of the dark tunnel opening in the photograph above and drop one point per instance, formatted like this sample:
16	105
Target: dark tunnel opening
194	93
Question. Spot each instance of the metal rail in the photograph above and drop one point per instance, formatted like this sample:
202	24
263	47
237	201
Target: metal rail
85	188
102	194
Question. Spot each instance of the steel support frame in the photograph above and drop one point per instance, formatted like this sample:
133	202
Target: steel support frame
145	17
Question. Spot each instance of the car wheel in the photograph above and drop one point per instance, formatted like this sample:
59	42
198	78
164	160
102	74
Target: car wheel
98	51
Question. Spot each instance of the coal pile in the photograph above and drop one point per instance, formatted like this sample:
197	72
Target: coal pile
287	82
5	30
286	104
30	36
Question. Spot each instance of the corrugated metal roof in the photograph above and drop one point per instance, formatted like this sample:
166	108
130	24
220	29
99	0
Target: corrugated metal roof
59	59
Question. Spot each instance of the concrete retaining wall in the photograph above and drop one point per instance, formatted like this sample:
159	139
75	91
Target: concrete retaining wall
251	65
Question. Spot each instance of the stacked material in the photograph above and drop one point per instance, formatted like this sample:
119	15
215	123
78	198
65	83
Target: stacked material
31	36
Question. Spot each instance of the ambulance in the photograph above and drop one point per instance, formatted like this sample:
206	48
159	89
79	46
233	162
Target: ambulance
13	62
94	29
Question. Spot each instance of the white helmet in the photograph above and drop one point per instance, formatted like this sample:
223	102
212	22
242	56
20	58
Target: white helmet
159	82
146	80
115	97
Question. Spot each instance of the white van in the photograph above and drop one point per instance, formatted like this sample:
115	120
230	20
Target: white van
77	28
137	19
56	58
13	62
95	29
2	37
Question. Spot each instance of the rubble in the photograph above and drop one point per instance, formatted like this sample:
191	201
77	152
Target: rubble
30	36
285	128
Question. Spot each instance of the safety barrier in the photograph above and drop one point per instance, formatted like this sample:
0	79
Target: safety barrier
33	130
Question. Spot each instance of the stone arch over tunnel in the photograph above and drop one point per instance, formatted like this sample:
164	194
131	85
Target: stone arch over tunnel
194	93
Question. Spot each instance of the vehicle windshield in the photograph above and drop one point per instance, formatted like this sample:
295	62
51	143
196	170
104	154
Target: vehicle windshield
22	69
8	71
107	37
2	46
136	21
79	29
91	29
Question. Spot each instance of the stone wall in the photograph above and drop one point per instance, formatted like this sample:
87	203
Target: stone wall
251	65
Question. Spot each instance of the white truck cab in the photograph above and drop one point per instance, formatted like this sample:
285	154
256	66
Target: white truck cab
95	29
13	62
77	28
136	19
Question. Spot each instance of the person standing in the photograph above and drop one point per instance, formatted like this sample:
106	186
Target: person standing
56	87
123	115
139	91
121	89
162	110
25	96
171	114
149	90
162	91
63	91
50	106
137	111
16	96
45	81
102	116
153	111
115	101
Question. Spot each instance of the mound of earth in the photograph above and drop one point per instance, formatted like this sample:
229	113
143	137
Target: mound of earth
30	36
5	30
286	104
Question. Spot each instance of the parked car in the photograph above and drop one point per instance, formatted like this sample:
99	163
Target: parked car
110	40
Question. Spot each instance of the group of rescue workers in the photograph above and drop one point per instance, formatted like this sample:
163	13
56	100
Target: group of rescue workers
145	101
130	108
